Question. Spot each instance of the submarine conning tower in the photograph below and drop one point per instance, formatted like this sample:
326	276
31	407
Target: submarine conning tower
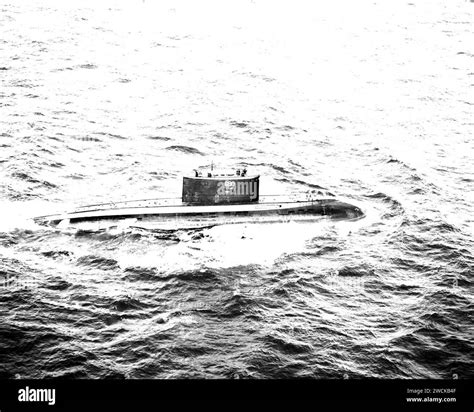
220	188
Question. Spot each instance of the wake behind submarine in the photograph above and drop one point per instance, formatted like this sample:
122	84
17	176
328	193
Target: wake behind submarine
210	199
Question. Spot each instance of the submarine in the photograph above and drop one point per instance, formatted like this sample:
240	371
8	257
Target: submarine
210	199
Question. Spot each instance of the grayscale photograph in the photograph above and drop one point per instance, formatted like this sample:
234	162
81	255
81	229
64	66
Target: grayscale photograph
243	190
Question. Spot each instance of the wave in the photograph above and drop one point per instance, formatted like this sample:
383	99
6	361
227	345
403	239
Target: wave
107	134
240	125
286	345
391	201
127	304
140	274
185	149
163	138
97	262
355	271
56	253
86	66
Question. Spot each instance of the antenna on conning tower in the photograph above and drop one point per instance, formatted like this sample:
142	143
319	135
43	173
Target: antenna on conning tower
212	165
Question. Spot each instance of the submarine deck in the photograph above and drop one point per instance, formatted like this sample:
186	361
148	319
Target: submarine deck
167	208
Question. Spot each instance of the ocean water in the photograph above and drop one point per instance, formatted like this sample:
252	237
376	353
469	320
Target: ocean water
116	100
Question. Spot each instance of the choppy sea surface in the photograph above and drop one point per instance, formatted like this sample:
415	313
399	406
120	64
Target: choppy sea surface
115	100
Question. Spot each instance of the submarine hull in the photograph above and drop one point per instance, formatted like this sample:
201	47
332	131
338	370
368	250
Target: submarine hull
207	215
